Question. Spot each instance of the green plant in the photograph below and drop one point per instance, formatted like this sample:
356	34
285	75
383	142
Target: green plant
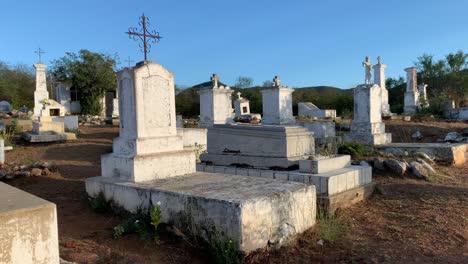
6	135
198	151
330	227
223	251
75	131
136	223
14	128
378	189
99	204
355	149
156	216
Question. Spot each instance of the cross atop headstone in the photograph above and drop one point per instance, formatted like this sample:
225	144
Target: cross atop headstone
277	81
130	61
214	79
39	53
378	60
239	95
144	35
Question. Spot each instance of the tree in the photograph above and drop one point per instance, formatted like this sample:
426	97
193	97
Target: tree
392	82
456	61
267	83
428	68
17	84
90	73
243	82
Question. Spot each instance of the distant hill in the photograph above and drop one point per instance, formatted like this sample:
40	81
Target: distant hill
325	97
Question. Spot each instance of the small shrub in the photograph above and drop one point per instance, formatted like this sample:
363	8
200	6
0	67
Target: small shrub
156	215
378	189
99	204
198	151
223	251
330	227
355	149
142	223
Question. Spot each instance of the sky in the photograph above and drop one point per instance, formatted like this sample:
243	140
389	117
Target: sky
305	42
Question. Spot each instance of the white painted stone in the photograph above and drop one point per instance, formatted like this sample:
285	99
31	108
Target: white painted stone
308	109
41	93
423	95
411	105
5	106
277	105
251	211
242	109
321	129
70	122
193	137
368	70
259	146
67	98
322	164
379	79
2	151
367	126
215	104
28	229
148	146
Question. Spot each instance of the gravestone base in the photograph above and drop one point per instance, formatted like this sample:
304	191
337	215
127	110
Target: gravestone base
149	166
48	137
28	229
330	204
252	212
368	139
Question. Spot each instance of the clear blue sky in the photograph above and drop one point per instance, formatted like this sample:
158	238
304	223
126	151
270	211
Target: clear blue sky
307	43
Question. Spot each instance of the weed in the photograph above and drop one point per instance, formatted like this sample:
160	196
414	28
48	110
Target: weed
355	149
155	215
330	227
75	131
135	223
223	251
198	151
378	189
99	204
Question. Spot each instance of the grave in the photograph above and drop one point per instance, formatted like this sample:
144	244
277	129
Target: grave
28	229
277	104
5	107
411	106
308	109
111	107
149	166
379	79
215	104
449	153
367	126
40	94
422	89
68	98
242	109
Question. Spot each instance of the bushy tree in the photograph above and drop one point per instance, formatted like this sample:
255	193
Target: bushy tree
243	82
17	84
90	73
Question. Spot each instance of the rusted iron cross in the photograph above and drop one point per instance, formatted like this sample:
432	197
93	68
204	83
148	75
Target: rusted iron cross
39	52
144	35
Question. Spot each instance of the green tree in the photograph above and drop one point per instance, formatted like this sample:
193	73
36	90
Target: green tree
90	73
243	82
456	61
17	84
392	82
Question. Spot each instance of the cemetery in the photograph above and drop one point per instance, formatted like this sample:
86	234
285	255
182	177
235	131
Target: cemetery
108	164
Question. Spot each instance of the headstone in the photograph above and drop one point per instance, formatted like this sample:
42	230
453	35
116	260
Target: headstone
68	98
5	106
423	95
148	147
179	121
241	106
379	79
215	104
41	94
277	104
367	126
308	109
412	93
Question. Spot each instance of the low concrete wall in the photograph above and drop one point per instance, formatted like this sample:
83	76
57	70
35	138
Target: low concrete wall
28	228
457	113
70	122
310	110
321	129
455	153
192	136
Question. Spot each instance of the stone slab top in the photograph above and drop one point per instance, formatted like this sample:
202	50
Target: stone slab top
422	145
217	186
13	199
280	128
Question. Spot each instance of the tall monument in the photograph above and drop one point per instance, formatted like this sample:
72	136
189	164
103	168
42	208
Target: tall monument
379	79
412	93
41	92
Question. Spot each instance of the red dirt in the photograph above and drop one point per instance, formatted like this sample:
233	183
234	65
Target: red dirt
411	222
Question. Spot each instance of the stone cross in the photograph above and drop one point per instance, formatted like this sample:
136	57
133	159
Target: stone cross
39	53
239	95
276	81
368	66
378	60
214	79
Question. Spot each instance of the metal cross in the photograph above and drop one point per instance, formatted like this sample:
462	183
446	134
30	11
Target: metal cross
144	35
39	52
130	61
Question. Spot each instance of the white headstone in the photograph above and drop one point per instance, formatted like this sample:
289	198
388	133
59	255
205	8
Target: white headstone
423	95
41	92
215	104
241	106
148	147
277	104
412	93
379	79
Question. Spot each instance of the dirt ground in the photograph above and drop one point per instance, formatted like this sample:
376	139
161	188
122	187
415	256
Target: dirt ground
412	221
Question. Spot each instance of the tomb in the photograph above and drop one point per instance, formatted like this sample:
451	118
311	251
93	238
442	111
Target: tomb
149	166
40	94
242	109
307	109
411	105
28	229
367	126
277	104
68	98
379	79
111	107
215	104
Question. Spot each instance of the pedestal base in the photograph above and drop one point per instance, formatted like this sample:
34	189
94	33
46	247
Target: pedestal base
369	139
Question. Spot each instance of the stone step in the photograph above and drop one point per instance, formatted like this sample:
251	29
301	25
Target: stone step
328	183
324	164
252	212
